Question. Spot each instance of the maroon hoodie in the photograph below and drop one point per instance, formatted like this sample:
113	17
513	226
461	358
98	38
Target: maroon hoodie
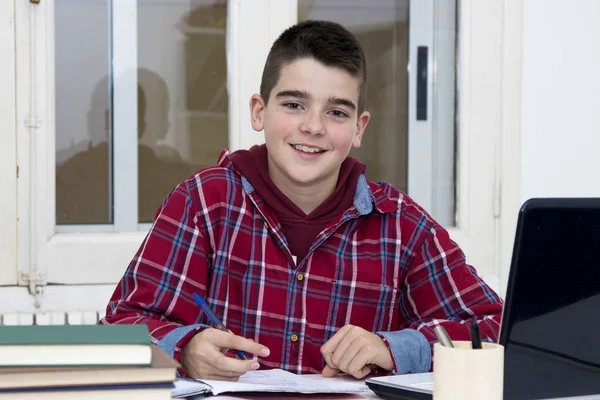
299	229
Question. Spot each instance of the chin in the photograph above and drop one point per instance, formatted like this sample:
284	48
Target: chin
304	180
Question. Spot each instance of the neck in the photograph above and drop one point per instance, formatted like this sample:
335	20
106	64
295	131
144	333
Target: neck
307	198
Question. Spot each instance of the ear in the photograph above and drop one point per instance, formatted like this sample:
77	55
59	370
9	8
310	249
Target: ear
361	125
257	111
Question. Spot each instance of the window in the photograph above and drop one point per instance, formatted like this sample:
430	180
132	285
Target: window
146	92
161	88
421	135
410	52
156	95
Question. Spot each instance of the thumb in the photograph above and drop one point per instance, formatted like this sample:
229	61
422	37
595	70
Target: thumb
329	372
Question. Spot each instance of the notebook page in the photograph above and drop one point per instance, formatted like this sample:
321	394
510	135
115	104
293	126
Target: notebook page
188	387
277	380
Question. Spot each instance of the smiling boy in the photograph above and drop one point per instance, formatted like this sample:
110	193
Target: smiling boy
311	266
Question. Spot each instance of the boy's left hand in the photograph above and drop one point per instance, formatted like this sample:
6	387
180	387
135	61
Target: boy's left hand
352	350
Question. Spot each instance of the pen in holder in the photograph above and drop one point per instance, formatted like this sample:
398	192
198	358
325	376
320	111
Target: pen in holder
461	372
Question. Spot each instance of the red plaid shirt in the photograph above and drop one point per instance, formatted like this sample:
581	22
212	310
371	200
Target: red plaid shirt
384	265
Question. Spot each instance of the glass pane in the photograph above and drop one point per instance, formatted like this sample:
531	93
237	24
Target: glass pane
382	30
182	95
83	184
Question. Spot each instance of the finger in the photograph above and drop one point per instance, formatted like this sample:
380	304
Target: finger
225	373
333	341
329	372
359	366
343	360
204	370
362	373
346	349
226	365
222	378
212	356
331	345
230	341
207	371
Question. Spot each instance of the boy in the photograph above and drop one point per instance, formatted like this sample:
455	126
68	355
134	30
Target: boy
311	267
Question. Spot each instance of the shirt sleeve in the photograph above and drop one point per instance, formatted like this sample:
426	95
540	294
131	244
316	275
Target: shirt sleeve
441	288
410	351
170	265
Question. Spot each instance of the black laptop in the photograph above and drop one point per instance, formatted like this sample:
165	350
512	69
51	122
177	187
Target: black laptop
551	319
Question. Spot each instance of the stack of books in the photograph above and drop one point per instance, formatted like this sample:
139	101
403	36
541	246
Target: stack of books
92	362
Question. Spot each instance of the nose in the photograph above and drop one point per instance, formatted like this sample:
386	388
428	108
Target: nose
313	124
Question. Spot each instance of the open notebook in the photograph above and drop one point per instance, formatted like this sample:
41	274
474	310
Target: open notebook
274	380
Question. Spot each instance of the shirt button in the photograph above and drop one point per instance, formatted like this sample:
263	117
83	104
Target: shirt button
266	225
300	276
294	338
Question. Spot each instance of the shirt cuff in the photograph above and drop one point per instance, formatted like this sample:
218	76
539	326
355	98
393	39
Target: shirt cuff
174	341
410	351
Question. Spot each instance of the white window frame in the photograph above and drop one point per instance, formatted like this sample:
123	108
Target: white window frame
125	140
509	146
431	141
475	228
97	258
479	108
481	87
48	256
8	146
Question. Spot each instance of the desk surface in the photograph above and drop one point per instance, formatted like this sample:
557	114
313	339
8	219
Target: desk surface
289	396
371	395
294	396
329	396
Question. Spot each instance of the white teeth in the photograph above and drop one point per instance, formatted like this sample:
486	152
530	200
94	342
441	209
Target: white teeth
306	149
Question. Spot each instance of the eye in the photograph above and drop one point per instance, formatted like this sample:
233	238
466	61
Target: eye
339	114
292	106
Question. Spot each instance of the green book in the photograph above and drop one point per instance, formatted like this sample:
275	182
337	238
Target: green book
75	345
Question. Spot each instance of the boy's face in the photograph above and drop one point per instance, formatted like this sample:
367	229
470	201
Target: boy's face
310	123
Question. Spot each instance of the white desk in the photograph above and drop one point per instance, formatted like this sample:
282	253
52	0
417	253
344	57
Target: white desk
288	396
371	395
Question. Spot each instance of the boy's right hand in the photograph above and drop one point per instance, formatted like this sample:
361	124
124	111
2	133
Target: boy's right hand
204	355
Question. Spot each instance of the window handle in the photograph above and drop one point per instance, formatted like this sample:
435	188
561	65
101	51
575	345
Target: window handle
422	76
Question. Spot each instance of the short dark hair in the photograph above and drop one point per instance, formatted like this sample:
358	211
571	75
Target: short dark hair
327	42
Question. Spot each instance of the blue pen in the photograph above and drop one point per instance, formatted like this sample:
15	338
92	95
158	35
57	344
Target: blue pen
213	318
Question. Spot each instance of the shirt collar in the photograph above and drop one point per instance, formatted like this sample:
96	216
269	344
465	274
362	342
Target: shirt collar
367	195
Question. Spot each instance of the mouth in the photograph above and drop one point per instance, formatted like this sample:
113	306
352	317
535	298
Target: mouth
307	149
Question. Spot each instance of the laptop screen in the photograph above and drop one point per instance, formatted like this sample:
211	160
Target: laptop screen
551	326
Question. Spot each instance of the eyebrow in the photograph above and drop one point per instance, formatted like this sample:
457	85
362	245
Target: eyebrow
342	102
303	94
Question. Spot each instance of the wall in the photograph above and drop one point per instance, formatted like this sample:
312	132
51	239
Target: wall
561	99
558	106
551	110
